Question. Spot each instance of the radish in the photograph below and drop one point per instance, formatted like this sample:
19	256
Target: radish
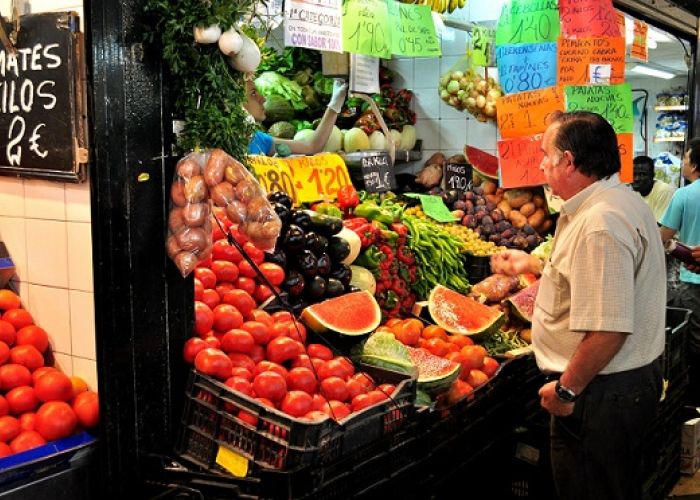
248	58
207	34
230	42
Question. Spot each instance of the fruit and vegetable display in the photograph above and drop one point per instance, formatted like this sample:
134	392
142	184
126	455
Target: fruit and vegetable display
468	90
38	402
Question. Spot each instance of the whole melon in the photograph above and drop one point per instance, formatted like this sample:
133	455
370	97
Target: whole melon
278	109
283	130
335	141
356	140
304	135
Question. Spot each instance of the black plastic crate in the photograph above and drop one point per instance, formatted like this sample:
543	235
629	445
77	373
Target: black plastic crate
279	441
675	351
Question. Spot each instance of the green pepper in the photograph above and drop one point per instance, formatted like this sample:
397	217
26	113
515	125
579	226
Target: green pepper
326	208
389	236
370	258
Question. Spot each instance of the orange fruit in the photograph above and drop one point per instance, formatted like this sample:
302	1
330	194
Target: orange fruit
9	300
460	340
434	331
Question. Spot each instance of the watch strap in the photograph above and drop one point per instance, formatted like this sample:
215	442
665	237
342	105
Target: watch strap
564	393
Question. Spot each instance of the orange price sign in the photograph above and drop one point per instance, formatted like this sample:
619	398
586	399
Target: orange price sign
519	161
640	49
528	113
624	145
274	174
588	18
576	58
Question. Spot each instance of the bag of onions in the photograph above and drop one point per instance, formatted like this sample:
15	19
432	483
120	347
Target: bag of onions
464	88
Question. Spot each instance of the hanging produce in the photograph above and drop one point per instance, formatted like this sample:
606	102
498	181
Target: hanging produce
469	90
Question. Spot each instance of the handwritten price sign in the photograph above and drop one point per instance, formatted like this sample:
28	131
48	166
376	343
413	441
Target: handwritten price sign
519	161
640	49
366	28
525	21
613	102
575	58
624	145
588	18
526	66
304	178
483	46
412	30
528	113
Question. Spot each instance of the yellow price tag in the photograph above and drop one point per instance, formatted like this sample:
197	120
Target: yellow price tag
232	461
304	178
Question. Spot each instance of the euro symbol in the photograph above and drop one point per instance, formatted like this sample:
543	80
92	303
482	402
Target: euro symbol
34	145
596	75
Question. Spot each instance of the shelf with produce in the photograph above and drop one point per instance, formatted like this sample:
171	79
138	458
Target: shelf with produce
669	139
671	108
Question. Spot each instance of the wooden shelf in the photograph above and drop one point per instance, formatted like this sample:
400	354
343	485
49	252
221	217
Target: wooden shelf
683	107
669	139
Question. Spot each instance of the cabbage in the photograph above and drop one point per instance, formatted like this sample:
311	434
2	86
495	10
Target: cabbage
270	84
544	249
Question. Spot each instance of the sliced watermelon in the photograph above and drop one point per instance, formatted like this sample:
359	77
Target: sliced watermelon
355	313
523	303
484	163
435	374
458	313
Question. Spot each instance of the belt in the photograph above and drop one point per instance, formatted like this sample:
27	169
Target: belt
618	377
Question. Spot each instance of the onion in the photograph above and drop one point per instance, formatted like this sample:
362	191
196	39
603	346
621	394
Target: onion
185	262
236	211
246	191
235	173
482	86
230	42
480	102
172	246
247	59
195	189
208	34
493	94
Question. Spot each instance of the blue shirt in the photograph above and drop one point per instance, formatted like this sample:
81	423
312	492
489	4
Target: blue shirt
683	215
260	144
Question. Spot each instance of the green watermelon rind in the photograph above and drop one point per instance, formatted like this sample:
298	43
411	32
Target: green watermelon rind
435	384
392	364
497	320
311	316
517	305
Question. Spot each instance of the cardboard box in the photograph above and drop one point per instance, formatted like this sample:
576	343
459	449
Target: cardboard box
690	446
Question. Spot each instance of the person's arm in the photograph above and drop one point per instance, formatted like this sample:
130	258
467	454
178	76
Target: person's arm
514	262
592	355
325	127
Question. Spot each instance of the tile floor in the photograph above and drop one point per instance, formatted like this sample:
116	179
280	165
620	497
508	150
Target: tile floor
688	488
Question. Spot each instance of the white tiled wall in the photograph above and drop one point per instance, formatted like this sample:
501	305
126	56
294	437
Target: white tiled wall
46	228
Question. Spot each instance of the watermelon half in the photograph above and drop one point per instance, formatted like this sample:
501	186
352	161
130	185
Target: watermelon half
523	303
484	163
435	374
458	313
355	313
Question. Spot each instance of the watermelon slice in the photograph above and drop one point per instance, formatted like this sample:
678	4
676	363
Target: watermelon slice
523	303
458	313
355	313
484	163
435	374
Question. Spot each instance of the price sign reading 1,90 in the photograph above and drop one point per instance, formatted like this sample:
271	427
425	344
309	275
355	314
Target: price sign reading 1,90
458	176
369	38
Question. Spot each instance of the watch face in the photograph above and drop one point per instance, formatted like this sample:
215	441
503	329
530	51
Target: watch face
565	394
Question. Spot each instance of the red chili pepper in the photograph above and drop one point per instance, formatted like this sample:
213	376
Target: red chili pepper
400	229
386	250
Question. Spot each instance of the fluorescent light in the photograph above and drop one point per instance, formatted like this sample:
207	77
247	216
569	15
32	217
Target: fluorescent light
657	35
646	70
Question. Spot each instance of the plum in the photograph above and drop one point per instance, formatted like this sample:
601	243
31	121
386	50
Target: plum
486	220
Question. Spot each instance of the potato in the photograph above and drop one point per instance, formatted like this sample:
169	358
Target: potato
214	170
185	262
527	209
489	187
246	190
517	197
172	246
538	200
456	159
505	208
493	198
517	219
546	226
236	211
195	214
192	239
436	159
537	218
176	219
188	167
195	189
222	194
235	172
177	194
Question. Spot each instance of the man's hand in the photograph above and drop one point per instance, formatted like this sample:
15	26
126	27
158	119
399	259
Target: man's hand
696	255
340	90
514	262
551	403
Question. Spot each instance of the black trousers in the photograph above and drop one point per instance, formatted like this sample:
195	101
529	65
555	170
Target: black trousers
597	451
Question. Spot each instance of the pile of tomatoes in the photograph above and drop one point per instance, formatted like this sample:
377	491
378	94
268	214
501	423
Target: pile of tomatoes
476	366
38	403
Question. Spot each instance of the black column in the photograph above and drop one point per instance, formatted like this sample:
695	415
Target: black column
694	88
143	307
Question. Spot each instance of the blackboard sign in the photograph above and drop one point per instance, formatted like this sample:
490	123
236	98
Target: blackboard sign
378	172
42	99
457	176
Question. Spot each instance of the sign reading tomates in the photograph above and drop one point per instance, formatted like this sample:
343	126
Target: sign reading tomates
304	178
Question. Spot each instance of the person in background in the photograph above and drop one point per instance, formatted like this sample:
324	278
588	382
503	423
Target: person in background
683	219
655	193
598	324
265	144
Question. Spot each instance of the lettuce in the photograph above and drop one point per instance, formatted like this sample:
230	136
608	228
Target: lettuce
271	84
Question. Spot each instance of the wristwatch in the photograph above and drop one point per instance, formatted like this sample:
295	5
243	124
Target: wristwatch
564	393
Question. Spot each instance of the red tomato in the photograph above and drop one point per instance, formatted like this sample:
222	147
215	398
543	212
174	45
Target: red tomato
387	389
355	387
33	335
257	354
270	366
22	399
239	371
4	407
337	410
302	379
302	361
224	270
241	300
5	450
248	418
460	340
476	378
13	375
296	403
26	441
227	317
223	287
19	318
241	238
255	254
246	284
319	401
279	330
210	298
221	250
281	316
213	362
43	370
376	396
4	352
296	330
270	385
9	428
27	421
7	332
436	346
240	384
242	361
259	331
55	420
27	355
273	272
192	346
281	349
349	367
262	293
458	391
334	388
260	316
319	351
490	366
315	415
212	341
245	269
205	276
54	386
87	408
237	340
365	379
203	318
198	289
9	300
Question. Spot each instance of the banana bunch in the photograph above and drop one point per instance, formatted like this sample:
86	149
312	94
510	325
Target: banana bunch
440	6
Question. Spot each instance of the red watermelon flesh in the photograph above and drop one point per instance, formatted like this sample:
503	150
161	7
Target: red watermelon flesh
523	302
458	313
355	313
484	163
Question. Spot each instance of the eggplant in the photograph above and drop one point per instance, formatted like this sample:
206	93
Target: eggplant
316	288
342	273
325	225
313	242
334	288
293	239
277	257
293	283
307	263
323	264
280	197
338	248
352	288
301	219
282	212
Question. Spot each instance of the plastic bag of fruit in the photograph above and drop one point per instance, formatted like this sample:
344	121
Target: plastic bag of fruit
203	178
465	87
